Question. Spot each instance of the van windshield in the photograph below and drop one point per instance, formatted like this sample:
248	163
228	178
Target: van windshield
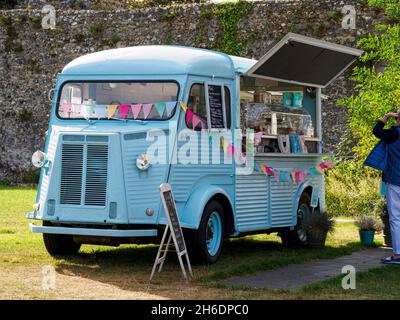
152	100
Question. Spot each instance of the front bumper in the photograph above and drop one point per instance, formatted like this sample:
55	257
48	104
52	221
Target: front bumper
93	232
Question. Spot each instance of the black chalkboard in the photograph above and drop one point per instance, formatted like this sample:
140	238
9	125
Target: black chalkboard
173	217
216	111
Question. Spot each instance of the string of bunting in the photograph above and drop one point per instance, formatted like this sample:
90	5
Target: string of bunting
293	176
110	111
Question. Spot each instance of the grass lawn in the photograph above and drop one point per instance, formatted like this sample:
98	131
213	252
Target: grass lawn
123	272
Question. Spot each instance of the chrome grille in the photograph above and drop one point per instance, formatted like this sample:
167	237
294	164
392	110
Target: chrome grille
96	175
71	174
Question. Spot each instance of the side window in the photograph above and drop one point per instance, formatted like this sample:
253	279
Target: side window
197	104
227	107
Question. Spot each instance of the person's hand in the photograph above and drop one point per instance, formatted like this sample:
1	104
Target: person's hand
387	116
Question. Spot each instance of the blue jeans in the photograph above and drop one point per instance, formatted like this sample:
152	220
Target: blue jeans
393	204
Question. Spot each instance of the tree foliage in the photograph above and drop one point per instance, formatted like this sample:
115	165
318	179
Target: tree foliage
378	83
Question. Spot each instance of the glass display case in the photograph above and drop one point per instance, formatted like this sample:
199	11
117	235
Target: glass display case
275	120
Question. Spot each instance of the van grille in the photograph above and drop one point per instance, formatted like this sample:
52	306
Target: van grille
71	174
84	184
96	175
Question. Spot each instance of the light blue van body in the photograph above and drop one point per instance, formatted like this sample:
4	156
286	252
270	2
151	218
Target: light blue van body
252	203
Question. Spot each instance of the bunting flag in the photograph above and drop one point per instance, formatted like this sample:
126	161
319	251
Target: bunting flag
183	106
146	109
160	108
195	121
111	109
319	169
136	110
189	116
88	110
101	111
294	176
231	150
170	107
123	110
67	107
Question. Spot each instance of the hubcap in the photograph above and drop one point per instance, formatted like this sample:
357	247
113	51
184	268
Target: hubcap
302	213
214	233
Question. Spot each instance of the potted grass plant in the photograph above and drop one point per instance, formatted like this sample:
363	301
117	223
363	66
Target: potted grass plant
380	210
318	225
367	226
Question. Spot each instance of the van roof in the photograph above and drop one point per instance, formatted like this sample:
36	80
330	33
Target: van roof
159	60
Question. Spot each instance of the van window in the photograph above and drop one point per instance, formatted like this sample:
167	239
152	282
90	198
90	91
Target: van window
132	100
197	104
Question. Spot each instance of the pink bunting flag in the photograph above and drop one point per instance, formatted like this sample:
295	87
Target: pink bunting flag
276	173
231	149
189	115
136	110
195	121
123	110
66	109
297	177
329	164
302	176
269	171
147	109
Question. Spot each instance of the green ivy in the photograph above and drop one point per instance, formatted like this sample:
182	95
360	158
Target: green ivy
230	15
391	7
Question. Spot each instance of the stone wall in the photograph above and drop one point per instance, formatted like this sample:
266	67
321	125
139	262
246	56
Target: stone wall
31	57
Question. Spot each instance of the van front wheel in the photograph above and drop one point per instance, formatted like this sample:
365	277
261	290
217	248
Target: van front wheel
60	244
205	243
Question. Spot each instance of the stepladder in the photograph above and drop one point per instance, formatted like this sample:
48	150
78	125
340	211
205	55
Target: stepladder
165	247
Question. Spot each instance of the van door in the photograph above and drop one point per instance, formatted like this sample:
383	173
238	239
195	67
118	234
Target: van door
305	61
208	166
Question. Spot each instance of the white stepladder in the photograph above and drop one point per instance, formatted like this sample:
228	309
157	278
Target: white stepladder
173	231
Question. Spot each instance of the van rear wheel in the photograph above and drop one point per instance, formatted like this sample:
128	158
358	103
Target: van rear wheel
59	244
205	244
298	236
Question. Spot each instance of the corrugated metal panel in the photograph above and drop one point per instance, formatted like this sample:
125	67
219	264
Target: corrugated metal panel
96	175
71	174
51	150
210	163
142	187
252	199
282	194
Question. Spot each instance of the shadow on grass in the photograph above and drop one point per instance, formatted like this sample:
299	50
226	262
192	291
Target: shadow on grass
240	256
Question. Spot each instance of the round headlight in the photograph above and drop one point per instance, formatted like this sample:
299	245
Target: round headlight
39	159
143	162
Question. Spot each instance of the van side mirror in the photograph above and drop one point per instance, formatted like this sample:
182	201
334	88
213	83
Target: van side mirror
50	95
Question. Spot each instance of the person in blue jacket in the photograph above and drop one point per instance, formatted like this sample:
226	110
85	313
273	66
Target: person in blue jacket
391	176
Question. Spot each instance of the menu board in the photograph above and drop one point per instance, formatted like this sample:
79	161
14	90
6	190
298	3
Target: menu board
215	102
170	208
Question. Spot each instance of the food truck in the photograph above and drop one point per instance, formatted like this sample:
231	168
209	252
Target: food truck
239	141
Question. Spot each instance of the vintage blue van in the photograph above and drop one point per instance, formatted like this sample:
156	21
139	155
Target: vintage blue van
116	113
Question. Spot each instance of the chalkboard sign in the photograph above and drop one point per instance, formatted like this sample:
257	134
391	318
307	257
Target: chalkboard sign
215	102
172	215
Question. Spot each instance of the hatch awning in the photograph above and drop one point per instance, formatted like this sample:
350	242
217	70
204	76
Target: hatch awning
305	61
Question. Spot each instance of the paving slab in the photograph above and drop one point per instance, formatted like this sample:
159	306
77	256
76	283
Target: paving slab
295	276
